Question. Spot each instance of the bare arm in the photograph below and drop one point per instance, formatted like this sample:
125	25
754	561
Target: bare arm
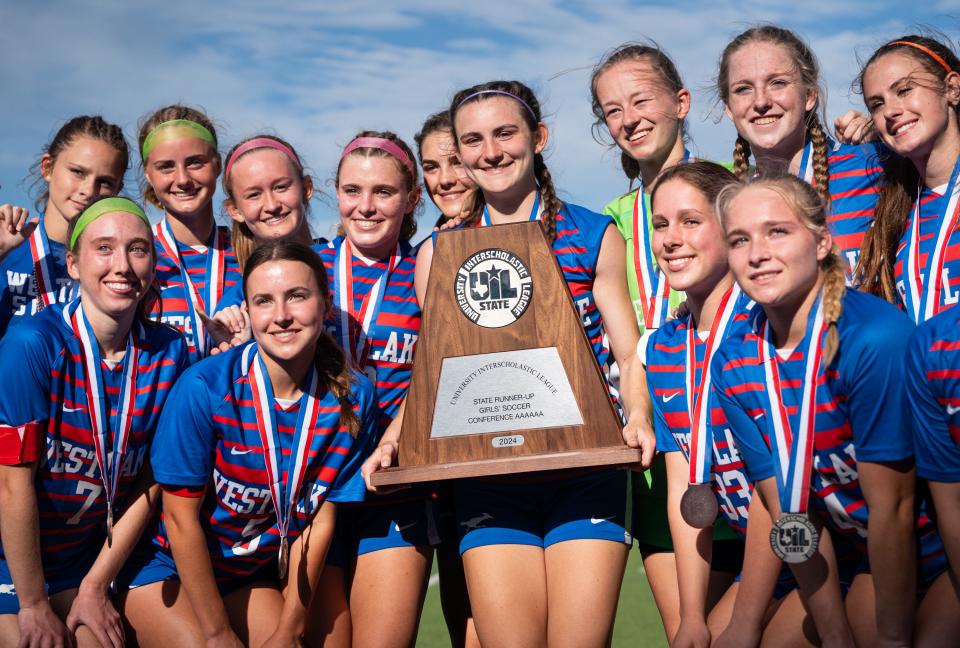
620	323
694	550
889	491
189	547
20	531
421	274
307	555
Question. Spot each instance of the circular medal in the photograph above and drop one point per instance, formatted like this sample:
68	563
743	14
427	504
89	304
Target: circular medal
793	538
698	506
283	559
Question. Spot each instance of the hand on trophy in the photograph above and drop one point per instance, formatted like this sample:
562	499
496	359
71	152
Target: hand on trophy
639	434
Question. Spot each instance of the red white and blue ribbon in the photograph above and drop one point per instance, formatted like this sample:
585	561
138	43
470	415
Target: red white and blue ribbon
653	285
792	445
357	325
535	212
109	440
213	279
805	172
700	443
925	297
283	492
43	275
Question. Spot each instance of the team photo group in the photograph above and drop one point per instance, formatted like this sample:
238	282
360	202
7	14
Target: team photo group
194	417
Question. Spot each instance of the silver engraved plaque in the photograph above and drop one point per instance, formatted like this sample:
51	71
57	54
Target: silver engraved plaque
503	392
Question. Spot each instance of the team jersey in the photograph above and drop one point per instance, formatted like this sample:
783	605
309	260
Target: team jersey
933	390
174	305
855	182
933	207
208	437
860	410
44	417
666	371
392	334
18	288
621	211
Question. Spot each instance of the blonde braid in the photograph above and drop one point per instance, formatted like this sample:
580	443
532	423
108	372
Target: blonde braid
834	288
241	238
741	158
548	197
821	170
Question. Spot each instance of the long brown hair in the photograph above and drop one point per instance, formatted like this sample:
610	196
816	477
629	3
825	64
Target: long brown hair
532	118
333	369
874	272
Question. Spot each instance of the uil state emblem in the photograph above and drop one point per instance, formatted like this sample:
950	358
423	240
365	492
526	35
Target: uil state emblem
493	288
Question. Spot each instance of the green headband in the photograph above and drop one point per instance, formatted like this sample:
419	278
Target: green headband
105	206
175	129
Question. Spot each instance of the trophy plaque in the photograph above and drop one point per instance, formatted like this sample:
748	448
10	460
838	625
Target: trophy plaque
504	380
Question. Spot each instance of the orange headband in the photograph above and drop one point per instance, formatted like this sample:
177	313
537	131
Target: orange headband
923	48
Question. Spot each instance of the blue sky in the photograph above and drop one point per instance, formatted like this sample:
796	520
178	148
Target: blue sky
317	72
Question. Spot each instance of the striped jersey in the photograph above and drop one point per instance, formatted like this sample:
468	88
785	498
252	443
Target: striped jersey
208	437
18	292
860	410
393	334
174	303
933	391
666	371
933	206
856	178
44	417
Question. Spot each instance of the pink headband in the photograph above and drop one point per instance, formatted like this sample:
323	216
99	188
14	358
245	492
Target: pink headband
384	145
262	142
923	48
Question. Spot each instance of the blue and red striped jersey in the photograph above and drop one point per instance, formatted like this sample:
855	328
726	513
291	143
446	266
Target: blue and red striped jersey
17	289
44	417
933	206
861	413
208	437
666	371
394	333
933	389
174	307
856	178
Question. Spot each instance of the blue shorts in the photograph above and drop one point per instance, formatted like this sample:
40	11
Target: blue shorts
54	584
542	512
373	527
151	564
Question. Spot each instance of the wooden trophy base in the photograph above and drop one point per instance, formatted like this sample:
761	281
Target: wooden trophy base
398	475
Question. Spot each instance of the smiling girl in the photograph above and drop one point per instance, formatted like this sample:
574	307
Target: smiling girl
85	160
769	83
181	164
252	451
378	568
83	385
812	386
547	557
911	87
447	184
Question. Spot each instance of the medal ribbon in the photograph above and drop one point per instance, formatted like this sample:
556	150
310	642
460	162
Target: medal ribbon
534	213
793	446
925	300
213	278
357	325
283	492
98	405
806	164
701	433
654	289
42	268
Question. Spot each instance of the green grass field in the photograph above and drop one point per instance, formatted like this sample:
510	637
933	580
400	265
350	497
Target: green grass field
637	620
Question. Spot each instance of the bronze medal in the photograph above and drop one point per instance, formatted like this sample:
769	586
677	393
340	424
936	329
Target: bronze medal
793	538
283	558
698	506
